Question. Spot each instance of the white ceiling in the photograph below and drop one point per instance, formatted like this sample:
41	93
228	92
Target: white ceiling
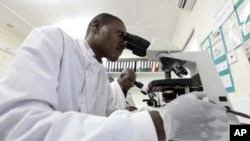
146	18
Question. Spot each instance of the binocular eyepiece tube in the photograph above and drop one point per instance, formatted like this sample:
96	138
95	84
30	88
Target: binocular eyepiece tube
136	44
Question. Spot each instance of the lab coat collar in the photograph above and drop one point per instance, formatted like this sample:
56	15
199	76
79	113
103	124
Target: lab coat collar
87	46
87	53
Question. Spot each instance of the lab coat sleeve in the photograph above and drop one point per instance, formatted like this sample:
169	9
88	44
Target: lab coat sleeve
39	123
111	104
28	99
33	75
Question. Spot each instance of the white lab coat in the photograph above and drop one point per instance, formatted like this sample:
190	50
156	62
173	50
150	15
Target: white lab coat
130	99
52	80
119	97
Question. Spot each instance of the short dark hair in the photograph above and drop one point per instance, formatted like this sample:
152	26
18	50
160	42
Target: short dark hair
104	18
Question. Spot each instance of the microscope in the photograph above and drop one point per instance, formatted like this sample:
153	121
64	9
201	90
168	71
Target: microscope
177	64
202	77
187	72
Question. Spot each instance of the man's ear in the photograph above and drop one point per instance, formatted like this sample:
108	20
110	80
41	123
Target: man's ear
96	26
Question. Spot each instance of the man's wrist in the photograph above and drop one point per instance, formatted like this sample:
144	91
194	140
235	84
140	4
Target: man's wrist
159	127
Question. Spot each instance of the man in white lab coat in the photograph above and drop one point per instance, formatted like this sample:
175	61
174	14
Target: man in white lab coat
57	89
120	88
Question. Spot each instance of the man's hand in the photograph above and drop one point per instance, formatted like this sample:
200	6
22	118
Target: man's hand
130	108
189	118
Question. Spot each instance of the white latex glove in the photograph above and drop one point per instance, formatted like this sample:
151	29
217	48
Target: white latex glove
187	118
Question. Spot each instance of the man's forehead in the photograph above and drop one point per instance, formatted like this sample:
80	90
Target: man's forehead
118	25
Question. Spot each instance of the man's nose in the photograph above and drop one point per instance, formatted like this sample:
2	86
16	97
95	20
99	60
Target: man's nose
123	44
131	85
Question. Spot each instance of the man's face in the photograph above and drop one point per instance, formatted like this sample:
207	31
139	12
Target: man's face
128	81
110	41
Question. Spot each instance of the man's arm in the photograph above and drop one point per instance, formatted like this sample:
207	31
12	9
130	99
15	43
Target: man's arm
158	122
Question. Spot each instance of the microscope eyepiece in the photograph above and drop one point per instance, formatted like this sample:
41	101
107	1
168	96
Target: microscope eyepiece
179	70
136	44
135	40
138	84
